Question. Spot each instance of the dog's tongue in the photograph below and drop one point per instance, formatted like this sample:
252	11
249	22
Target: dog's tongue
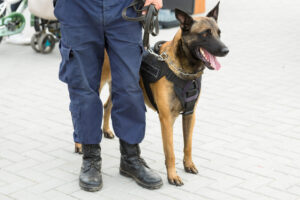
212	60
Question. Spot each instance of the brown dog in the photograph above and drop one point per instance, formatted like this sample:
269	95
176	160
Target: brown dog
193	48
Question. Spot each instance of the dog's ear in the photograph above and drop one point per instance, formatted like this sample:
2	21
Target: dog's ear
214	13
185	20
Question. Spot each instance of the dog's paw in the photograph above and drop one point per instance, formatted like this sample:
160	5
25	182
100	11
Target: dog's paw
108	134
190	167
175	180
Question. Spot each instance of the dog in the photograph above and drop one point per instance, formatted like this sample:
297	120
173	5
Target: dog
194	48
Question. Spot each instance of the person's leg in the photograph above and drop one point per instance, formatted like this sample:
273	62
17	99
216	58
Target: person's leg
82	50
124	47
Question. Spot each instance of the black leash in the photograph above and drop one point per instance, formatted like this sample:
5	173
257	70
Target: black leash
149	21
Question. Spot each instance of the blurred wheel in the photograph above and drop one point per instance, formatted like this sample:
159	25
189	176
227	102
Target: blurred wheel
46	43
34	42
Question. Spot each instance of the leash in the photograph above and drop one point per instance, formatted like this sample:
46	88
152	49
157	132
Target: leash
151	26
149	21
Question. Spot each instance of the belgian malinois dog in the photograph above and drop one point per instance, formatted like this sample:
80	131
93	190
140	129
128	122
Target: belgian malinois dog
194	48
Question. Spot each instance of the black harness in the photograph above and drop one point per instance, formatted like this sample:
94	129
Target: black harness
153	69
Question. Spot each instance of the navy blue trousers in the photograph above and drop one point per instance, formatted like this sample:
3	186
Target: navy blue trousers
88	27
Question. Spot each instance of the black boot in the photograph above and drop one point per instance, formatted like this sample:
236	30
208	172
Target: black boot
90	178
132	165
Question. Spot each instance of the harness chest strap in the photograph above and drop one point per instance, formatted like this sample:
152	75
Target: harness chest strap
187	91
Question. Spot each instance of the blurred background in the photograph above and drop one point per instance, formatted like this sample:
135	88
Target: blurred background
246	141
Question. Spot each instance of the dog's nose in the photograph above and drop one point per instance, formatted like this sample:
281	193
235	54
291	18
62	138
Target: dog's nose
224	51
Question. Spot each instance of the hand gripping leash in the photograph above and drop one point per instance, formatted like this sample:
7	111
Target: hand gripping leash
149	21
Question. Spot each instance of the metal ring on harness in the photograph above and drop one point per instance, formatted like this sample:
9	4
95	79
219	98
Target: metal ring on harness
149	21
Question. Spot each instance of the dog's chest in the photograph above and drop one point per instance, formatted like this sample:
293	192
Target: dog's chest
175	104
183	94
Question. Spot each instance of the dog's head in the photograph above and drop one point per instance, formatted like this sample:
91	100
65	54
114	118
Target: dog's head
201	38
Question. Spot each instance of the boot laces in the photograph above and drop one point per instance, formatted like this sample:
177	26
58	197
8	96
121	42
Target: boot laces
92	164
142	162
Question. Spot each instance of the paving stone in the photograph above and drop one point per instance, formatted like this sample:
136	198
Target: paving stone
4	197
15	186
246	137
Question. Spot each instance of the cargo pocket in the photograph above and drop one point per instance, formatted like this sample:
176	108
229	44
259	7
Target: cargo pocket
66	54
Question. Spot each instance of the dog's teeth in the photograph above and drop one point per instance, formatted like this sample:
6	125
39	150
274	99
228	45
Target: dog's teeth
202	52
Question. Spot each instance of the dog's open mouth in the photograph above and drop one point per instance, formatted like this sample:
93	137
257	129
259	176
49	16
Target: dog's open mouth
209	60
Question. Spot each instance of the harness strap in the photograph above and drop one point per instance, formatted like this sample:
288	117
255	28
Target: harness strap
188	95
149	21
157	46
149	94
152	70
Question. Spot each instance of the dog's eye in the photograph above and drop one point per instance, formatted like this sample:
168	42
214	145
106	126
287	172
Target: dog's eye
206	33
219	33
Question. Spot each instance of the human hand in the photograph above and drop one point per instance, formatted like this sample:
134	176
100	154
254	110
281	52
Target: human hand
158	4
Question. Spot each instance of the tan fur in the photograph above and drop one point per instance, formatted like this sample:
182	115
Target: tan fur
169	108
168	104
78	148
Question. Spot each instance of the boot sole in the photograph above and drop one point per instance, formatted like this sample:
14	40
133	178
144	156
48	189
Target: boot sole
90	188
151	187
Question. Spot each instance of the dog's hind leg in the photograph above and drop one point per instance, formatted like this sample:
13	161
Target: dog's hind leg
188	122
107	111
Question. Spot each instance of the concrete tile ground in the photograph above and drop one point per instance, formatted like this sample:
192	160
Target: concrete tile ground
247	135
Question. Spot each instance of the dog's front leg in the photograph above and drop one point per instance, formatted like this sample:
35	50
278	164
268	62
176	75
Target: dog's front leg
188	122
163	95
167	121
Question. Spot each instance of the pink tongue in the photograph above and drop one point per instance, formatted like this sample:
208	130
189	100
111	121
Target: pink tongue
212	59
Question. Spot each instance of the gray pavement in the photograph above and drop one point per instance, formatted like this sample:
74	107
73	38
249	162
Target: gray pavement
247	134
